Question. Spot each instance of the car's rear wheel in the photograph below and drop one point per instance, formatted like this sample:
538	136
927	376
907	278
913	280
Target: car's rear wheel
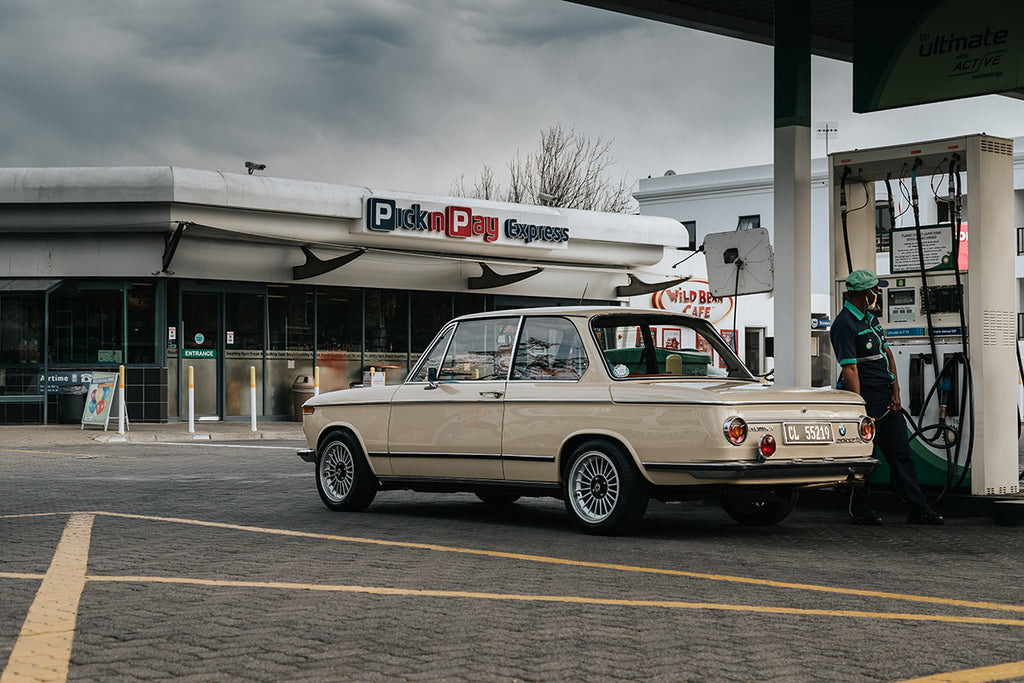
603	490
343	477
497	497
758	507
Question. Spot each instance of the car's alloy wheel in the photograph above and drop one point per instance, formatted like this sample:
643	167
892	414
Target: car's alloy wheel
343	478
603	490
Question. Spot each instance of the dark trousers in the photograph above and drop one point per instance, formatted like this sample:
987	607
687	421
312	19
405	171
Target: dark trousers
891	440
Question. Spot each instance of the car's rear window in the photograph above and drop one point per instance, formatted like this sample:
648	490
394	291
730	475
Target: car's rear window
664	346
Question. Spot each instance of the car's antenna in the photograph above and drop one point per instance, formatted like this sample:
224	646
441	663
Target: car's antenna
584	293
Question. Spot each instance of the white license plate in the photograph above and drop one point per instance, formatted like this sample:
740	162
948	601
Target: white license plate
807	432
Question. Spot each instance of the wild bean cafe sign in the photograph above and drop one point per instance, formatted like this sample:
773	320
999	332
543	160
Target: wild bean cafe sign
694	298
451	222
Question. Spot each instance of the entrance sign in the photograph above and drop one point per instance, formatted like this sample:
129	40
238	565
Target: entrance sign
199	353
922	51
99	398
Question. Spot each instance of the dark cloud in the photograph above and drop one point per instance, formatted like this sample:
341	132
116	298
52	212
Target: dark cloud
405	94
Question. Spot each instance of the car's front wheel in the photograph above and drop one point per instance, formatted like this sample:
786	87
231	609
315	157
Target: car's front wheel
343	477
603	490
758	507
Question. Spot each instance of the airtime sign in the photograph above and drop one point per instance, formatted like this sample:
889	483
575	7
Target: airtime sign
461	222
693	298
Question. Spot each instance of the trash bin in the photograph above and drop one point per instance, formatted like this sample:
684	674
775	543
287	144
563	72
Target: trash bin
302	391
71	403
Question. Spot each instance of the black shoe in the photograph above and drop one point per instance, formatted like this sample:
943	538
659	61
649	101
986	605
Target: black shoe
925	516
868	518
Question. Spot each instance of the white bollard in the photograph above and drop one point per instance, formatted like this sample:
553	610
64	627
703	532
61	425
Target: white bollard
316	380
121	409
252	394
191	401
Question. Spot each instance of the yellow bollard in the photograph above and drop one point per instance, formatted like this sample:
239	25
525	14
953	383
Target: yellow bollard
252	395
191	401
122	410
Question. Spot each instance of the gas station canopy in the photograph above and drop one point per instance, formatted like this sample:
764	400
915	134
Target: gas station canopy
903	54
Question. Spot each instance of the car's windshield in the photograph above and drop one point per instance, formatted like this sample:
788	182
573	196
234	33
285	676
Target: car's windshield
652	345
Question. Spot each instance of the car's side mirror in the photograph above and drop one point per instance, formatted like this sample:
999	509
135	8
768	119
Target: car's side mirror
432	377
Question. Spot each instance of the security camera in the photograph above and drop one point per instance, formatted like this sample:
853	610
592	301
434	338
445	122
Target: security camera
253	166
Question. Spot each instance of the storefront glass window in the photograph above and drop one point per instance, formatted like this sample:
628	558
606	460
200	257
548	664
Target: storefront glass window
244	322
430	311
339	319
21	328
469	303
87	324
387	332
339	336
291	317
141	308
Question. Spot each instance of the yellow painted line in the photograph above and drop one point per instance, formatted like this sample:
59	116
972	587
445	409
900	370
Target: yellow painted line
42	651
571	599
999	672
22	575
580	563
76	455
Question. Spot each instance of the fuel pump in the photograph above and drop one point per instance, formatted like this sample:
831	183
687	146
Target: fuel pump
951	328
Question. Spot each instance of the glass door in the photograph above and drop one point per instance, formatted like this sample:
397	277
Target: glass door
202	351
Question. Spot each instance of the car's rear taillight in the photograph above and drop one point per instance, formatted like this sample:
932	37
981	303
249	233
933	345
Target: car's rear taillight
736	430
867	428
766	446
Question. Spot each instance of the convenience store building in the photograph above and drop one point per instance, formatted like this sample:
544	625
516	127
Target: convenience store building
162	268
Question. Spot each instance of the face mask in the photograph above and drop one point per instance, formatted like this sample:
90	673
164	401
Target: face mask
873	294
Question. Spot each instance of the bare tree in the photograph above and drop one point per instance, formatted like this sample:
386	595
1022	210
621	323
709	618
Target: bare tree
569	170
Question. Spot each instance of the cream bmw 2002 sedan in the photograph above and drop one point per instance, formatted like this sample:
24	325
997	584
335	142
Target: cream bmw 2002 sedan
602	407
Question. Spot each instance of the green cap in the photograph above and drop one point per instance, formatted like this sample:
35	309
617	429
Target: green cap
863	280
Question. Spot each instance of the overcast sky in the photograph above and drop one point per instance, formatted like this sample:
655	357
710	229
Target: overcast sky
405	94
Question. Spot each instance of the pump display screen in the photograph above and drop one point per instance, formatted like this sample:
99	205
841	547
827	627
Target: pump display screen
901	297
901	305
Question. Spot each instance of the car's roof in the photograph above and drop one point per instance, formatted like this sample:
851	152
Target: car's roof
581	311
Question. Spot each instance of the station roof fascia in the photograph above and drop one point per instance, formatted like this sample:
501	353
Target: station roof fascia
753	20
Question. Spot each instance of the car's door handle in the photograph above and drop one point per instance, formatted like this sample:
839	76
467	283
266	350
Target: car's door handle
495	394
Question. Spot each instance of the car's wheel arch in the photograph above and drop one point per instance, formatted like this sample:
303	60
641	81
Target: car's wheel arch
342	429
573	441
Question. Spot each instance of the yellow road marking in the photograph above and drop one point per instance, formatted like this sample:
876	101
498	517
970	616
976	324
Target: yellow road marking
999	672
77	455
573	599
42	651
581	563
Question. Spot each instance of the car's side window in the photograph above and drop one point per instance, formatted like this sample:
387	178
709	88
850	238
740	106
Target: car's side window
549	348
433	356
480	350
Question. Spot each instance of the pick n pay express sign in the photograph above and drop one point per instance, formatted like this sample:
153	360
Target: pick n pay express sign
693	298
451	222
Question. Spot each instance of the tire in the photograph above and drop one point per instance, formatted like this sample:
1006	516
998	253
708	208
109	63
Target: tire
603	490
497	497
343	477
759	507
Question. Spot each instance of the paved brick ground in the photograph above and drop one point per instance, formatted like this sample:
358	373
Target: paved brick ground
261	630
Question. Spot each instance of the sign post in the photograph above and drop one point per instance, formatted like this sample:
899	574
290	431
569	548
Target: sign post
99	398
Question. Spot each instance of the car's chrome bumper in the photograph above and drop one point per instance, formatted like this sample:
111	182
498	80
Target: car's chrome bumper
307	454
839	469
